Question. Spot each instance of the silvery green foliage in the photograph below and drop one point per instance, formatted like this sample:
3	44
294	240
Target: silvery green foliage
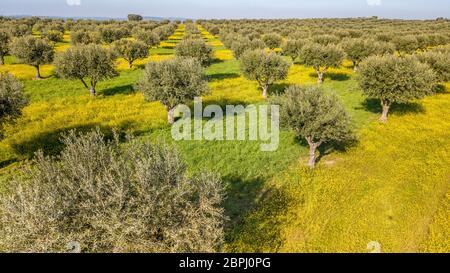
264	67
311	112
4	45
395	79
292	48
12	98
195	48
173	82
406	44
357	49
84	37
150	38
320	56
32	51
242	44
439	62
88	63
111	197
272	40
131	50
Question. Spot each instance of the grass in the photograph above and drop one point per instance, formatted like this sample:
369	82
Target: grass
391	187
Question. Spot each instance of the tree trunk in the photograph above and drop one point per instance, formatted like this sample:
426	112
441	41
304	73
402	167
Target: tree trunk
2	60
92	91
386	106
355	66
264	94
312	151
171	115
319	78
130	65
38	72
312	156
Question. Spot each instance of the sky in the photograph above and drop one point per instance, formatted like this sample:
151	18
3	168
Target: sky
230	9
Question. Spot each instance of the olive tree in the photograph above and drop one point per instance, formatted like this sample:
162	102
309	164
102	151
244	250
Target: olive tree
32	51
358	49
395	80
314	115
439	62
112	197
53	35
131	50
195	48
406	44
173	82
4	45
150	38
264	67
135	17
292	48
243	44
321	58
87	63
12	98
273	40
84	37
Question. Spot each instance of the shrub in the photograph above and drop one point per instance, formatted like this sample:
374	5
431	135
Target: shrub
315	116
32	51
84	37
131	50
135	17
292	48
196	49
326	39
405	44
108	197
173	82
109	34
272	40
150	38
4	45
439	62
83	62
359	48
321	58
53	35
264	67
12	98
395	80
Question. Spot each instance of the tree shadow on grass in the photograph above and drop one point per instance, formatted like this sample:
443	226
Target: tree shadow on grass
222	76
50	142
328	148
7	162
277	88
256	215
335	76
374	106
122	89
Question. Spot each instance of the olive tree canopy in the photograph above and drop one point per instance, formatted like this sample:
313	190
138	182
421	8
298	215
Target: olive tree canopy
173	82
32	51
264	67
87	63
395	80
112	197
314	115
321	58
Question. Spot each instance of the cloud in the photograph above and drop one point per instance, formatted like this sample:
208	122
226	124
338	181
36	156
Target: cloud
374	2
73	2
